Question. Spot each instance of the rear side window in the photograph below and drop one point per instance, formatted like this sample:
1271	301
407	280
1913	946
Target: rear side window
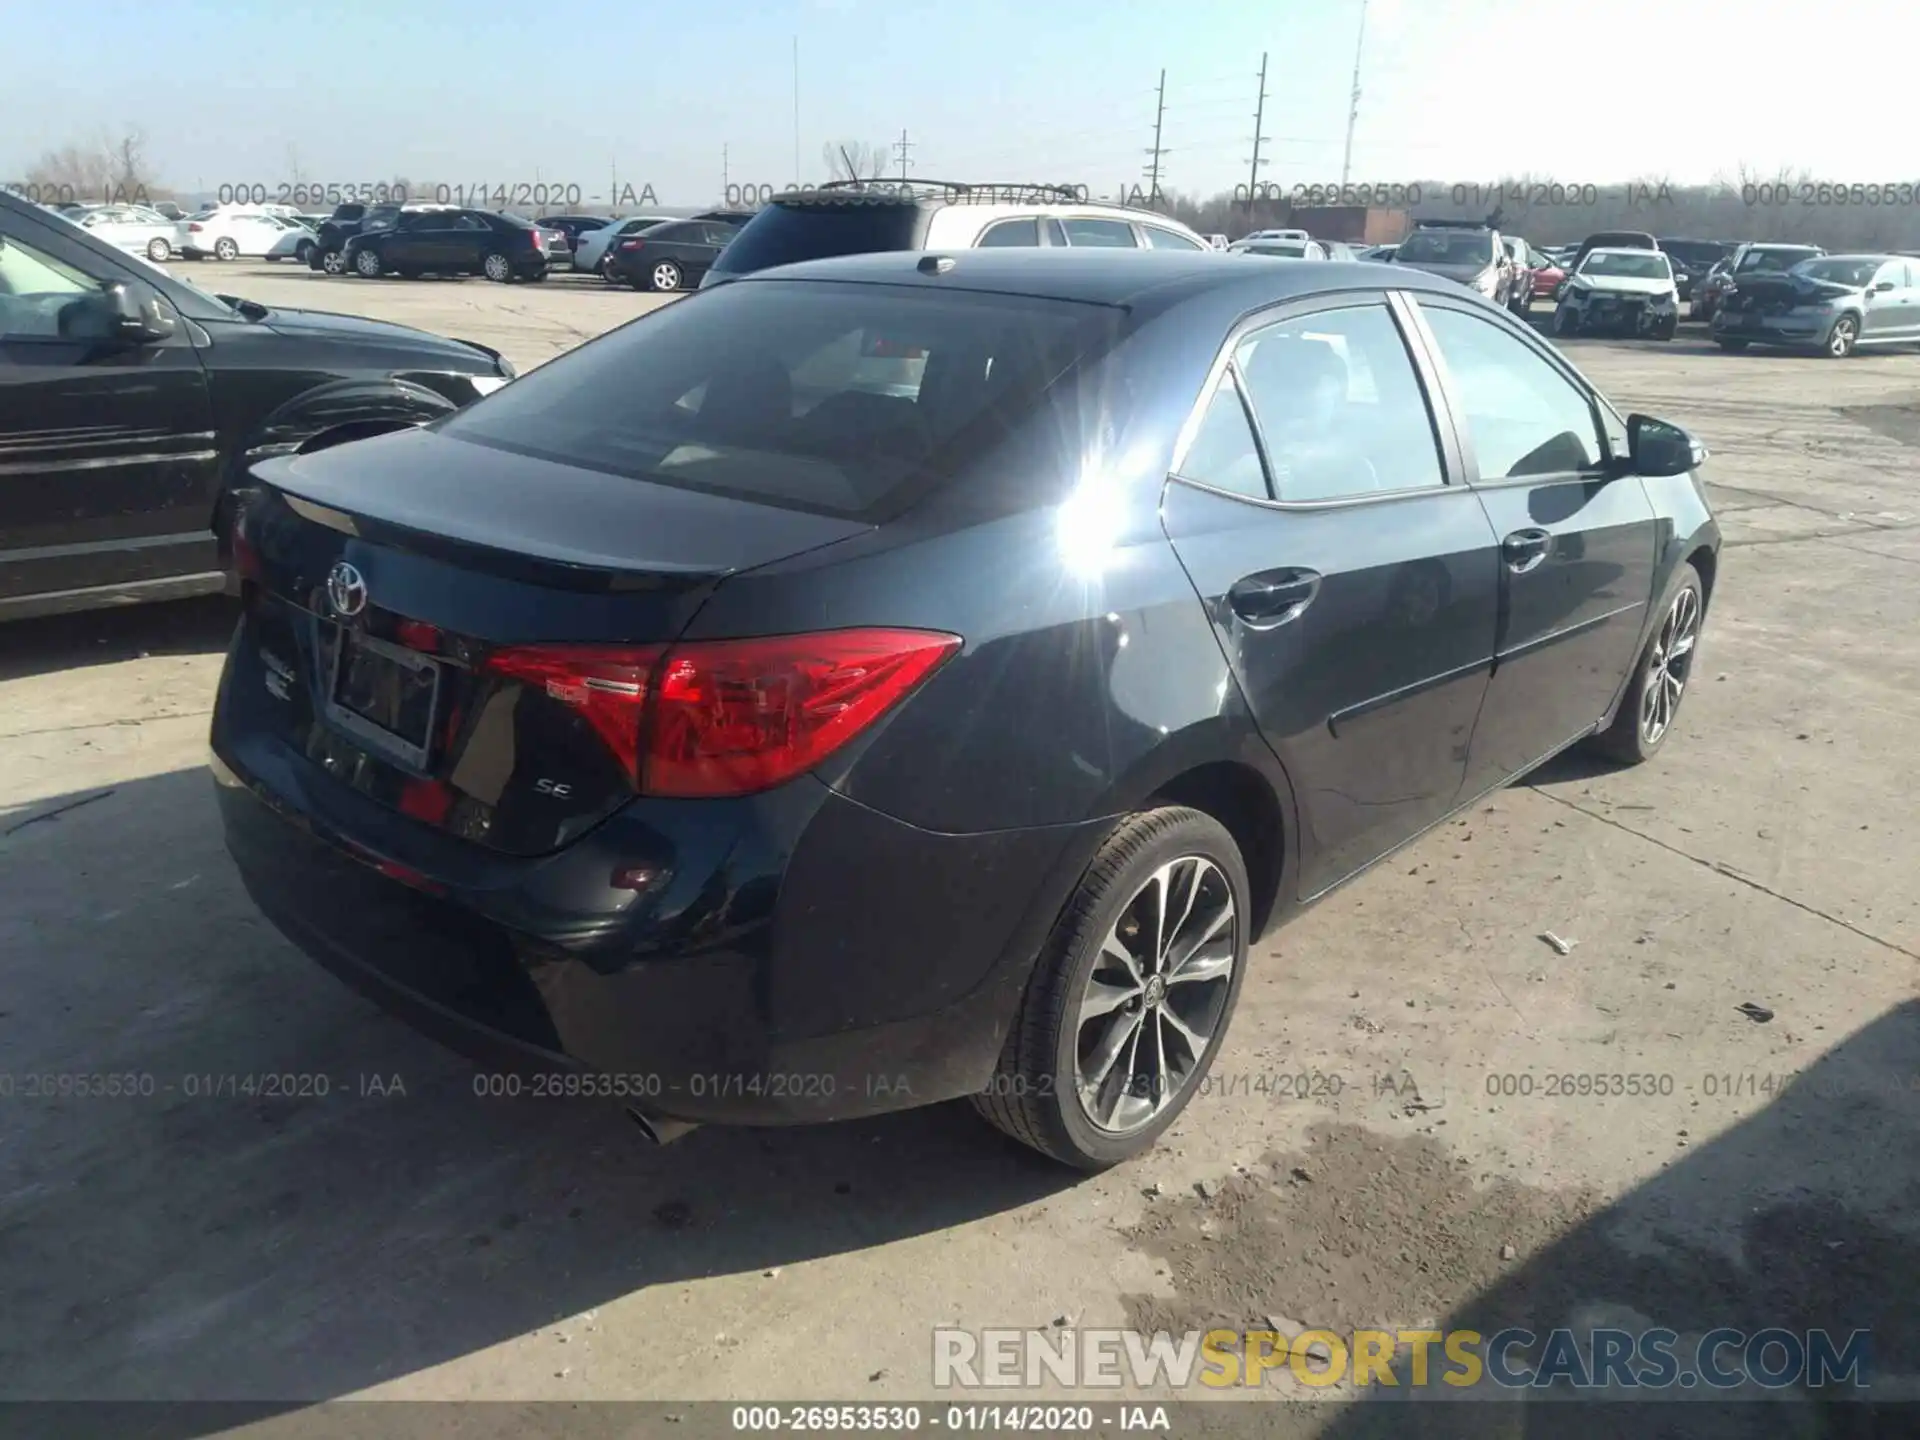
841	399
1223	453
1159	239
1115	233
1339	406
1011	232
787	234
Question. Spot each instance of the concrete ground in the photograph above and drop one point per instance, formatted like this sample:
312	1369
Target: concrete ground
400	1237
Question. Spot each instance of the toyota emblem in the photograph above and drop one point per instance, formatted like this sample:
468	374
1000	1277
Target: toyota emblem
346	589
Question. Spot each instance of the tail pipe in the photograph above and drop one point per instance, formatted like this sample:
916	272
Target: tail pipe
658	1129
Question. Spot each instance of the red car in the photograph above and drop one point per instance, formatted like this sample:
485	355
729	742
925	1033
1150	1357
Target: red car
1547	277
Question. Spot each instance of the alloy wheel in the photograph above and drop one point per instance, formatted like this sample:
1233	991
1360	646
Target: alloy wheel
1840	339
1670	665
666	276
367	263
1157	995
158	250
497	268
225	250
333	263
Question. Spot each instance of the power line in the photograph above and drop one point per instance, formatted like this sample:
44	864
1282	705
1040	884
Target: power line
1159	117
1259	118
902	147
1353	112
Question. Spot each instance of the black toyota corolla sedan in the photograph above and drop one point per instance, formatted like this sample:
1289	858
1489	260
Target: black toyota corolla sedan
903	677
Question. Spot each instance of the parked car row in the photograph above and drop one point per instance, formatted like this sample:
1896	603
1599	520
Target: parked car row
225	232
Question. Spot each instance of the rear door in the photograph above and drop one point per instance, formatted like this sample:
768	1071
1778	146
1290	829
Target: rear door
107	452
1577	538
1351	576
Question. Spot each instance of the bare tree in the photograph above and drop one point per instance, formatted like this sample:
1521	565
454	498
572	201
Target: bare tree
853	160
106	168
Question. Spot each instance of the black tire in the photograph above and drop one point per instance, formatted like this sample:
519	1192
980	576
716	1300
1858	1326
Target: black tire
159	251
608	273
665	276
366	263
1565	322
1732	345
497	267
1666	330
225	249
1841	339
1627	739
1034	1094
303	252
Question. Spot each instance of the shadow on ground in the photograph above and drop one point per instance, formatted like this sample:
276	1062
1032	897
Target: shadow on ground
168	1236
1800	1218
106	637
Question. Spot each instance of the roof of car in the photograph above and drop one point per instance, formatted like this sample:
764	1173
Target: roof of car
1134	278
1621	250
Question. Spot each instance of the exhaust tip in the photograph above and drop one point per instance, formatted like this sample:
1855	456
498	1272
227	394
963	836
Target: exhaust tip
658	1129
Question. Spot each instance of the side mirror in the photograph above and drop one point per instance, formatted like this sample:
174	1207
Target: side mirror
1883	287
121	310
1658	449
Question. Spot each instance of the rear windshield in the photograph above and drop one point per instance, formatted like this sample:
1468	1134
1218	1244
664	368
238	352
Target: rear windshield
1447	247
839	399
1841	272
1775	257
1639	265
787	234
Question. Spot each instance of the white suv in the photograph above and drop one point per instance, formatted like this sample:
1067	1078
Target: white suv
860	217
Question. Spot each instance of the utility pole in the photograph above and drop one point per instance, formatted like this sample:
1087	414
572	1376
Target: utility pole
903	147
1259	115
1159	116
726	177
1353	112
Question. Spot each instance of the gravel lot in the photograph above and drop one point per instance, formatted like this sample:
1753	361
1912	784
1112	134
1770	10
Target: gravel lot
405	1239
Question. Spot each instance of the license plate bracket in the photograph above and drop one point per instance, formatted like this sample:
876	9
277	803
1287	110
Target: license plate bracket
384	695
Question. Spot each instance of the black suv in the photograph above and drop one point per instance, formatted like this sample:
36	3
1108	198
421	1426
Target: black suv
500	246
129	401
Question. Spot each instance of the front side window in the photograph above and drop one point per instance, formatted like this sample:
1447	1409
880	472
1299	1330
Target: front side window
1523	417
1340	406
35	288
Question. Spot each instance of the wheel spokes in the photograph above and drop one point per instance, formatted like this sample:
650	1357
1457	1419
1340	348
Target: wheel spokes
1154	998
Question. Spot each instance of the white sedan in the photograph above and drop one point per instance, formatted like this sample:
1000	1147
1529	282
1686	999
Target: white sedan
134	228
230	234
296	242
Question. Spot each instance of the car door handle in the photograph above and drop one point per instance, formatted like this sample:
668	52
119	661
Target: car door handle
1524	549
1273	597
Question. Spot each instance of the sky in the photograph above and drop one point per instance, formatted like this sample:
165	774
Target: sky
598	93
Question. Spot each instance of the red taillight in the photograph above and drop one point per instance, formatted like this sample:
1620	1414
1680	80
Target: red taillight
731	717
631	244
196	228
607	687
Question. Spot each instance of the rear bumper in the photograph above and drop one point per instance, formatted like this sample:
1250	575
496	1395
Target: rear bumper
802	958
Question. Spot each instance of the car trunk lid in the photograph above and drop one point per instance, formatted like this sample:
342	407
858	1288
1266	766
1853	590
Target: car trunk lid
395	586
